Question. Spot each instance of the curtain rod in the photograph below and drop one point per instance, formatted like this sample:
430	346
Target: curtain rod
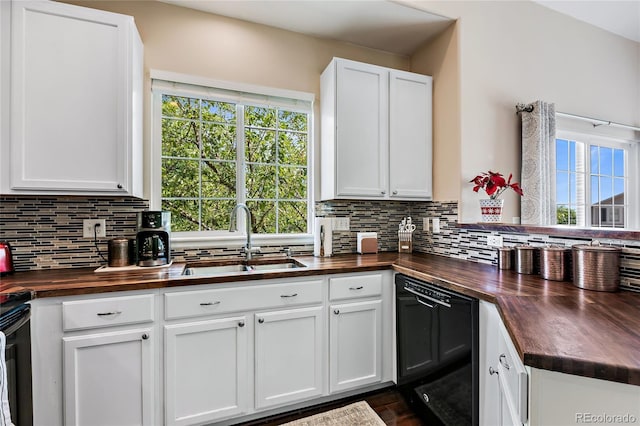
594	121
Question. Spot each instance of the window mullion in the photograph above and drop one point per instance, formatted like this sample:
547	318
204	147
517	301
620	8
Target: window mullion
241	161
277	163
200	165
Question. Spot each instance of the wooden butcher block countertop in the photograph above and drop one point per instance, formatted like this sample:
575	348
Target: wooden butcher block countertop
554	325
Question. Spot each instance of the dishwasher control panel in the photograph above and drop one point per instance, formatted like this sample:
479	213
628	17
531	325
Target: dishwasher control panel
428	292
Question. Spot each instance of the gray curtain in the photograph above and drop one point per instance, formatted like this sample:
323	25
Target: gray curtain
538	177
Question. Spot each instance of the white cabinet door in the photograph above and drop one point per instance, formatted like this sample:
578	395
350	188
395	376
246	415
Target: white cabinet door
206	365
361	130
355	345
376	129
288	356
76	96
490	392
109	378
410	135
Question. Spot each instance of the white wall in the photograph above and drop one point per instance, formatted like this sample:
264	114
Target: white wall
519	51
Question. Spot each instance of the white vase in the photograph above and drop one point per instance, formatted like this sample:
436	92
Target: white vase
491	210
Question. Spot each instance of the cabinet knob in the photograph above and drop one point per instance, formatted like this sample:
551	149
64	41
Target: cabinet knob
145	336
492	371
119	186
260	320
241	324
395	192
383	192
336	311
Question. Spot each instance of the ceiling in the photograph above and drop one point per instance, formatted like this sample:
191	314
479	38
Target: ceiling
618	17
393	27
378	24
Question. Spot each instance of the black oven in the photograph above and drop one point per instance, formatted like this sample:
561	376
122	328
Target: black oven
437	352
14	323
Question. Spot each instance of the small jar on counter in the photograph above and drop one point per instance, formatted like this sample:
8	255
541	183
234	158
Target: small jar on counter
505	258
555	264
526	259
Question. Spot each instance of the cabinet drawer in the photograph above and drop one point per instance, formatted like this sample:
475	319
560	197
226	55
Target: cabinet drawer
513	376
355	287
197	303
94	313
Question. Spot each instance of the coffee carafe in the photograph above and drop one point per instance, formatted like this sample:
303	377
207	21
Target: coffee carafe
154	228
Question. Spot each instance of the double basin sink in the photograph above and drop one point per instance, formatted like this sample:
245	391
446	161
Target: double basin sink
208	269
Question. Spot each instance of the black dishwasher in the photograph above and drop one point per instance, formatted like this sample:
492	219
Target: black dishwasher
437	351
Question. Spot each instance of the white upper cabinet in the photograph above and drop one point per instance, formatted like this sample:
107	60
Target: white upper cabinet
410	135
376	133
76	102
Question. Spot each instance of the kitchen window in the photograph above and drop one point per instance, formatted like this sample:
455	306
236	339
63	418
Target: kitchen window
221	144
594	181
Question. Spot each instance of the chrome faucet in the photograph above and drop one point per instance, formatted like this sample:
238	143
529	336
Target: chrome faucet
248	250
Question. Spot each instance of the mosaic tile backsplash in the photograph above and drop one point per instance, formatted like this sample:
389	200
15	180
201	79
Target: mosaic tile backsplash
46	232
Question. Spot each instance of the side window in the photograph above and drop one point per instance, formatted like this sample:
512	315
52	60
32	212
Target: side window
592	179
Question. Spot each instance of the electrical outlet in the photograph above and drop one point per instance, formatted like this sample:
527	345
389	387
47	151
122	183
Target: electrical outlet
88	228
494	241
340	224
425	224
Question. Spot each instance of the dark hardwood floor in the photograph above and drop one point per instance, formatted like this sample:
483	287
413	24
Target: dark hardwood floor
388	403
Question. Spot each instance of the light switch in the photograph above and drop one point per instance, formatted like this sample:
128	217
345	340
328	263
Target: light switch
435	225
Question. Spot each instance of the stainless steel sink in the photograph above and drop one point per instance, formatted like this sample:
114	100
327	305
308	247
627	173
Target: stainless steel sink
208	269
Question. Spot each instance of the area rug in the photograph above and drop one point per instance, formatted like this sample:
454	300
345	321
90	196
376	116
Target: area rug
358	413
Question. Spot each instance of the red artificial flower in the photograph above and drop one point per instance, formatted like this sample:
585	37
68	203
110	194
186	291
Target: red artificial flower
494	184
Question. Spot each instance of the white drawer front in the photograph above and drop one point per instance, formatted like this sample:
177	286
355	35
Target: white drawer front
513	376
219	301
94	313
355	287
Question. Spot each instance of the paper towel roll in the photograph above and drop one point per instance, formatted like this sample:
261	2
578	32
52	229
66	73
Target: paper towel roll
324	246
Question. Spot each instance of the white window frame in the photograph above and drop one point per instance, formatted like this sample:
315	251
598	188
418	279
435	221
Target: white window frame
220	238
632	164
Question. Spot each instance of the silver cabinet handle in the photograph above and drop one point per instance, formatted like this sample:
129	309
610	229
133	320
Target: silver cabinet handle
503	361
260	320
106	314
241	324
336	311
217	302
395	192
492	371
383	192
119	186
289	295
356	288
145	336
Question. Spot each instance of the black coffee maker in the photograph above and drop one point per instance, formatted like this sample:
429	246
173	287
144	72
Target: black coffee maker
152	238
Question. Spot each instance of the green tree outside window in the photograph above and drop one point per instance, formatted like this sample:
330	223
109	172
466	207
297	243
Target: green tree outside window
201	165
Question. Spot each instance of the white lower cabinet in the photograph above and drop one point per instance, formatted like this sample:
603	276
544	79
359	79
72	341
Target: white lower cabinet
288	356
209	354
355	345
108	378
503	378
206	370
94	360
